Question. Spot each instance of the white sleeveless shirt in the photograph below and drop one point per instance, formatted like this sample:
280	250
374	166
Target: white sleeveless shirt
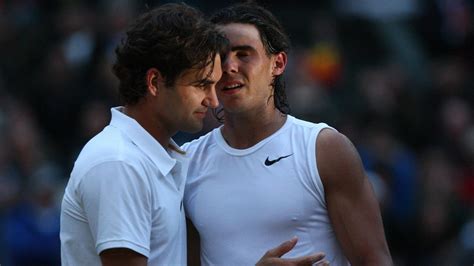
246	201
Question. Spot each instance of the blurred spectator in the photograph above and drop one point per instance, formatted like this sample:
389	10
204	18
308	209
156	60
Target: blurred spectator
440	215
30	217
32	226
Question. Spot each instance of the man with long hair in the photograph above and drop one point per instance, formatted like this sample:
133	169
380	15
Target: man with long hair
265	176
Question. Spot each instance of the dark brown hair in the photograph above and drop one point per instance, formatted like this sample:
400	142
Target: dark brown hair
172	38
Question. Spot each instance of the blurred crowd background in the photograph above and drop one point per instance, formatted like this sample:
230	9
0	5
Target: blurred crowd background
397	77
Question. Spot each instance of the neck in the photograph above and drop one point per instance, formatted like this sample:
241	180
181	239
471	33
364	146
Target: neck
150	123
244	131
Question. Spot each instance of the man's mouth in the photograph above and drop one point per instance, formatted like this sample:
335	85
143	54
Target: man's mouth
232	86
201	114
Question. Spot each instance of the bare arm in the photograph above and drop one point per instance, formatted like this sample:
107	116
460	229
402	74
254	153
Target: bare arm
122	257
352	207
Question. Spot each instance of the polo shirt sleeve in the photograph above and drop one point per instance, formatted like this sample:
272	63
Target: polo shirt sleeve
117	200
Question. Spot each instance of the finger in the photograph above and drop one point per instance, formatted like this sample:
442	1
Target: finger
281	249
309	260
322	263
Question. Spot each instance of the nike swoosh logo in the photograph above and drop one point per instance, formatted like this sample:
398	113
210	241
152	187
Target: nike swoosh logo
270	162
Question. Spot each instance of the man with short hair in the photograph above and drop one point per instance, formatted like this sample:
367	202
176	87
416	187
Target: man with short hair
123	203
265	176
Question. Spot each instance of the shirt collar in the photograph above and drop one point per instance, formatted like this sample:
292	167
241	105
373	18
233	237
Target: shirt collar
144	141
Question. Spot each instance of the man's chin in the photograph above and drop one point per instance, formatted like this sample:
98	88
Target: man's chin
193	128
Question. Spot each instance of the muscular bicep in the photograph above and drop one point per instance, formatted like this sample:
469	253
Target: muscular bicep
122	256
352	207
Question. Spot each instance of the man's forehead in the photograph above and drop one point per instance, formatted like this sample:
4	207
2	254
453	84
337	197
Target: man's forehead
237	31
209	72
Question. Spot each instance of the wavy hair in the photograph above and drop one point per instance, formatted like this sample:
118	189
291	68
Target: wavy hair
172	38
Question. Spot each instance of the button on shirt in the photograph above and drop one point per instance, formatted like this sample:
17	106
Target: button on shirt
125	191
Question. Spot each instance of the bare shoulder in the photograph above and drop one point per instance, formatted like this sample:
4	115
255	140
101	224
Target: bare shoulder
337	159
330	141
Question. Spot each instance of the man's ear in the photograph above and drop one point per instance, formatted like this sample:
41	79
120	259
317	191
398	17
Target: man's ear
154	80
279	64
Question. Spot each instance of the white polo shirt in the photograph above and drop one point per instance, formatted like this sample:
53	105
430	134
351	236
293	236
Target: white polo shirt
125	191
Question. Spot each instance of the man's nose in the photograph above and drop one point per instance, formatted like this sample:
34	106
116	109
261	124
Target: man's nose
230	65
211	100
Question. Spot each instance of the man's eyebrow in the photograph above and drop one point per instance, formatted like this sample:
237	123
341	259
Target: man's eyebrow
242	48
203	82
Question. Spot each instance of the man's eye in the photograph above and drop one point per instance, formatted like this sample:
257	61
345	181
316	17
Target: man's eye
202	86
242	54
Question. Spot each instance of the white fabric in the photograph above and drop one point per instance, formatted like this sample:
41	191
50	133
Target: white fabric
125	191
242	208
